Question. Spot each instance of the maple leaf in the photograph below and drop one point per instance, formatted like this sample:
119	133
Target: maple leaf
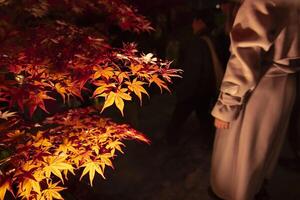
37	100
117	98
160	83
72	88
91	168
27	186
138	136
105	160
66	147
5	115
5	186
14	135
96	149
52	192
103	87
61	90
168	73
28	182
148	58
103	137
55	164
136	68
81	158
121	76
106	72
137	88
113	145
38	135
43	142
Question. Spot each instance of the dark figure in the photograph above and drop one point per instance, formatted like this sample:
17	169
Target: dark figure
228	9
198	86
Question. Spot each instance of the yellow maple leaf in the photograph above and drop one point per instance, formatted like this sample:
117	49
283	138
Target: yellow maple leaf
56	164
96	149
84	156
27	166
91	168
37	136
39	175
66	147
5	186
137	88
113	145
119	103
52	192
102	137
27	186
61	90
117	98
105	160
109	100
43	142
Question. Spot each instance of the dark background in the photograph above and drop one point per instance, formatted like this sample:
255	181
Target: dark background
169	172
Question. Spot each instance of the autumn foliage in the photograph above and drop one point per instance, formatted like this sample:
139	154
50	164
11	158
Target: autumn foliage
48	58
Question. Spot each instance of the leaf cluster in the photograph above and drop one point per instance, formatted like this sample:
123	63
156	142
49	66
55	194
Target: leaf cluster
77	141
46	57
63	59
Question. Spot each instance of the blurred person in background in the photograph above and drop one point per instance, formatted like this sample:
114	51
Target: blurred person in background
228	10
202	74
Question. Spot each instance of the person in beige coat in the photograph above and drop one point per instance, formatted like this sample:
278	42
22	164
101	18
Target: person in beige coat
256	96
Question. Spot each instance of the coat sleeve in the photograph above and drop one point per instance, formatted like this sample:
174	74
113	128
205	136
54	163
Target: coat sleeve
257	24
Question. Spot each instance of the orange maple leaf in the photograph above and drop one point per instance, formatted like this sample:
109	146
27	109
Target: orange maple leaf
106	72
136	68
14	135
103	87
160	83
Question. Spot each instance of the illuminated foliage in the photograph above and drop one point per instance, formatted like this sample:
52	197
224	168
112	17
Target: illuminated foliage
78	139
47	57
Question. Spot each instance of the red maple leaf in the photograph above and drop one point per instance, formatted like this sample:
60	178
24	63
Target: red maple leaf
37	100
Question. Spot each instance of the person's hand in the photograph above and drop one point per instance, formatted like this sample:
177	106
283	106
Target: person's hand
221	124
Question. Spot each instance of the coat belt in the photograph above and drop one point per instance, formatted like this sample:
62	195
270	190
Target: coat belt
288	66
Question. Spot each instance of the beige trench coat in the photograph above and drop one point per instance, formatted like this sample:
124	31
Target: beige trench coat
257	95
